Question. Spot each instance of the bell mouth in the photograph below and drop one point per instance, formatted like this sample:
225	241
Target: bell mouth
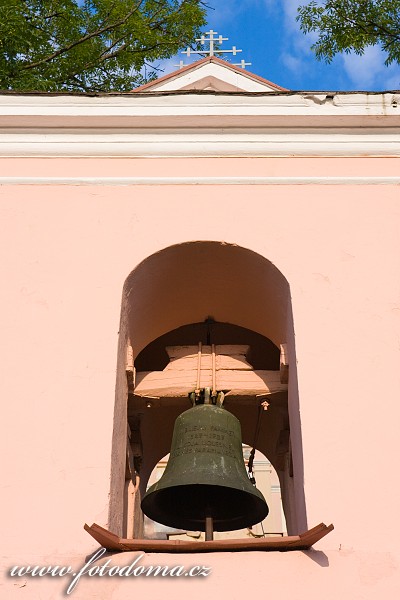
187	506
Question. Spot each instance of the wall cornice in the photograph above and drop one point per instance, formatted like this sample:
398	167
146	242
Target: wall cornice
285	124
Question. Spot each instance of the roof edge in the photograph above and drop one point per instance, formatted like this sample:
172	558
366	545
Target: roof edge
209	59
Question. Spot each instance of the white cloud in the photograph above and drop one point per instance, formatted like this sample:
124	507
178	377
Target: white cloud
368	70
364	72
292	63
296	46
290	11
229	12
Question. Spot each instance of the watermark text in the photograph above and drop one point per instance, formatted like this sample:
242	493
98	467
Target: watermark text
134	569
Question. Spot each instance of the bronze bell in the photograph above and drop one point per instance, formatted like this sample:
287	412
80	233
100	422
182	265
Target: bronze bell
205	476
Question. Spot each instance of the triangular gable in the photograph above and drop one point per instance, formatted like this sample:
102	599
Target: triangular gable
211	73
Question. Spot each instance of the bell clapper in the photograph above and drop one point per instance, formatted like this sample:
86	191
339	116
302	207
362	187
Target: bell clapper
209	529
207	396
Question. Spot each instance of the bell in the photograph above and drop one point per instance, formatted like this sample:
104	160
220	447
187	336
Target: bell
205	476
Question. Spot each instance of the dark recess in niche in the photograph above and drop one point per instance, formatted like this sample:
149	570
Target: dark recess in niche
263	354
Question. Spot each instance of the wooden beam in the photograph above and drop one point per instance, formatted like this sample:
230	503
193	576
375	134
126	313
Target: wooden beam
282	543
175	384
228	356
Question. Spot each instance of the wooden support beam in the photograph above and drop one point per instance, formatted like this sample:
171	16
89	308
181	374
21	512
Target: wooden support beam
294	542
177	383
228	356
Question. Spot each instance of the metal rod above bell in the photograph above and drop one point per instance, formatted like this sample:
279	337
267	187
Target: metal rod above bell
205	476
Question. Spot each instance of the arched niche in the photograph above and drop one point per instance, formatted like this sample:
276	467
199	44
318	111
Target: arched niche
181	286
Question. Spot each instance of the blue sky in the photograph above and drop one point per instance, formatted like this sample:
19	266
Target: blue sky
268	34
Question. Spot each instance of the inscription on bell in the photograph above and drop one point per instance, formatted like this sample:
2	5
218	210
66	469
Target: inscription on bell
200	439
213	428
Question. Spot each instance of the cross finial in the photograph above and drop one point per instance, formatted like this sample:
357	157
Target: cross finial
242	64
181	64
212	50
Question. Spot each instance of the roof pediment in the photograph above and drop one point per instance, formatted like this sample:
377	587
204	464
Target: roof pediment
211	73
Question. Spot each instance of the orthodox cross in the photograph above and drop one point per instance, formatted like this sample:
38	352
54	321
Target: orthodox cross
242	64
212	40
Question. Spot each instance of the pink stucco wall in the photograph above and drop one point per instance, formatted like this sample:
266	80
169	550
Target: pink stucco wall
224	166
67	251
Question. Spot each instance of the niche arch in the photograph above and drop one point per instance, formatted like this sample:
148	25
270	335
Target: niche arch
181	286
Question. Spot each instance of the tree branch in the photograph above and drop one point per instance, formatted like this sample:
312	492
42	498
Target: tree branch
395	36
83	39
114	54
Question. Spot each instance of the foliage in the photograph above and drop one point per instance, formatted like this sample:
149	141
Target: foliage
351	25
90	45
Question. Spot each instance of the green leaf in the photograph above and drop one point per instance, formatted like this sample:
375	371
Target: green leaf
96	45
350	25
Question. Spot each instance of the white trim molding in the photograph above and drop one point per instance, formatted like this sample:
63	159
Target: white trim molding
196	143
149	181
